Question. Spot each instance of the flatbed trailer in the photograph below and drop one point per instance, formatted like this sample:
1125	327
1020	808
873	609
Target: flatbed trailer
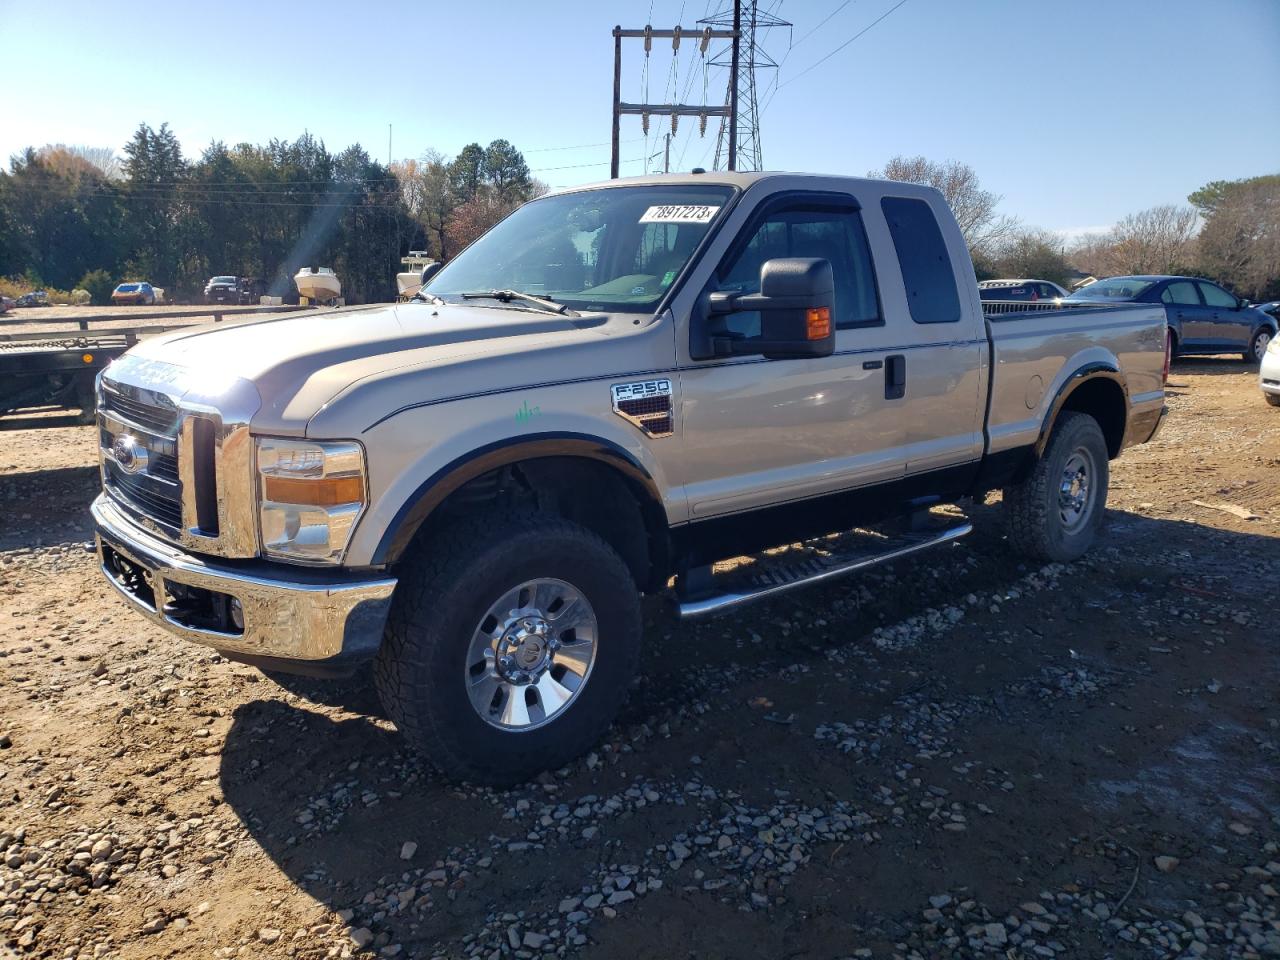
47	376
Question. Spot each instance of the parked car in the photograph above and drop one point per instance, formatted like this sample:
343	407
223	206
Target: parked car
241	290
135	293
1203	318
1269	373
7	304
742	360
36	298
1020	290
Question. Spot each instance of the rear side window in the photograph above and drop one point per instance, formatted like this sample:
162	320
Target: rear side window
926	266
1181	292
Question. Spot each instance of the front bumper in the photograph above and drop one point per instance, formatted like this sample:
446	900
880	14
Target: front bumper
288	613
1269	373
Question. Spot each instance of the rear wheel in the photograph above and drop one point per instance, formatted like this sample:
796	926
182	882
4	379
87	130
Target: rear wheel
1056	511
1258	346
510	646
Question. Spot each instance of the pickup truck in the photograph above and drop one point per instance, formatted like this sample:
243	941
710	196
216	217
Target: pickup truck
612	390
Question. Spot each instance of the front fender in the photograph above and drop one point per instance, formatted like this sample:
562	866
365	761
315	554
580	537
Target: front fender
419	457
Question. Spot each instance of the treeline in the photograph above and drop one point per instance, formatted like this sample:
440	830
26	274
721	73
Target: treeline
1230	232
84	218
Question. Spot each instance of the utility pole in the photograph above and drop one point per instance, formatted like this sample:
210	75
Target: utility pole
645	110
666	155
743	127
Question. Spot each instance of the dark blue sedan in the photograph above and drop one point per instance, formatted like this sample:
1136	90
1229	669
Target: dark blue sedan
1203	318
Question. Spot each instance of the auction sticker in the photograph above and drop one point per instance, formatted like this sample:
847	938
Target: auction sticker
680	213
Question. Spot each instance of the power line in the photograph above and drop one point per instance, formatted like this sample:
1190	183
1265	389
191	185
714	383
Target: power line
860	33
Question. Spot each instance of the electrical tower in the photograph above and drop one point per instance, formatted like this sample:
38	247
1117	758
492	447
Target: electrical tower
739	136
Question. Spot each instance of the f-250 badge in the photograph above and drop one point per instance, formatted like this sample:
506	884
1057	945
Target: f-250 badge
646	404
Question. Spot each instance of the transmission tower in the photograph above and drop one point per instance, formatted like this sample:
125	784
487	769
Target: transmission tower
739	136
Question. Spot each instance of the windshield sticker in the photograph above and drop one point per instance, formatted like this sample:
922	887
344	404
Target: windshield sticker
680	213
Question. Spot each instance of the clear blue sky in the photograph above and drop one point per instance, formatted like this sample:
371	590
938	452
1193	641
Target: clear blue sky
1076	111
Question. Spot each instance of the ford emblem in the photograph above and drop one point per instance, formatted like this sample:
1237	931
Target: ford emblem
129	455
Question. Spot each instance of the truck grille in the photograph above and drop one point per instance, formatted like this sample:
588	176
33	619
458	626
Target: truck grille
155	490
150	416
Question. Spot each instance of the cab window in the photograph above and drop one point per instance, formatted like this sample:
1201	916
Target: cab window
927	274
807	230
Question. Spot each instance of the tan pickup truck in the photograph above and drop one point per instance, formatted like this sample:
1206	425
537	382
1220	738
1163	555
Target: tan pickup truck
610	391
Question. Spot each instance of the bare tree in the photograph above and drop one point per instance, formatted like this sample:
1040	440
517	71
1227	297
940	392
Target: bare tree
1159	240
1033	253
104	159
974	207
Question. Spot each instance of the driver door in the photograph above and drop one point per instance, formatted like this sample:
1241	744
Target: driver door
763	432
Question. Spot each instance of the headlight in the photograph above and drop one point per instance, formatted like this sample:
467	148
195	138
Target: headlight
310	496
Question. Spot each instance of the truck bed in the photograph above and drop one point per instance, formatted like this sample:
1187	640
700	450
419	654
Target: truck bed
1036	351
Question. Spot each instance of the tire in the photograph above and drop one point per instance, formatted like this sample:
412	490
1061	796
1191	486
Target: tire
449	586
1039	520
1257	346
1273	399
1173	346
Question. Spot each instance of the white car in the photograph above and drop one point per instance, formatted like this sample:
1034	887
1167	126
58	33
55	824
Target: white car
1269	373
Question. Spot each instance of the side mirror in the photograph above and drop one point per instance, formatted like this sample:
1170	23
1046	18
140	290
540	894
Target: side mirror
430	270
795	303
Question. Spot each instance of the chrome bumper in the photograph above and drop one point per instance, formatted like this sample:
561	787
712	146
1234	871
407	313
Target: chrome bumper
288	613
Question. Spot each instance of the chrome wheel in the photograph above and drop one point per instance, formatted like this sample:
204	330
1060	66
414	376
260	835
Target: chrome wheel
1075	490
531	654
1260	343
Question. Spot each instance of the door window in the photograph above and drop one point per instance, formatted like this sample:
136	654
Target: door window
1181	292
927	273
1215	296
807	231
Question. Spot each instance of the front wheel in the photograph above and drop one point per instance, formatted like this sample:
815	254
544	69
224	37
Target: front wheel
1273	399
511	644
1258	346
1056	511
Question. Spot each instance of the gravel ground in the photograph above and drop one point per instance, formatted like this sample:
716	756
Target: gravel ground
956	756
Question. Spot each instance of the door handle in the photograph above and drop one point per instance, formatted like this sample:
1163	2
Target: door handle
895	377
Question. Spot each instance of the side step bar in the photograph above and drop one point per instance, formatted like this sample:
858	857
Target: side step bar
812	569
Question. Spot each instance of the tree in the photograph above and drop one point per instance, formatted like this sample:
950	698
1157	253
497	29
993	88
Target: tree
466	172
506	172
1034	254
974	207
104	159
1159	240
1240	242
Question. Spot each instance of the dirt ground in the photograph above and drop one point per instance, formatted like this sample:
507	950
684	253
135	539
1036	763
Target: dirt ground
958	755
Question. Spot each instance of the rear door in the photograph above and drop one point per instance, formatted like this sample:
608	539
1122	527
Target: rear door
1187	314
939	358
763	432
1230	325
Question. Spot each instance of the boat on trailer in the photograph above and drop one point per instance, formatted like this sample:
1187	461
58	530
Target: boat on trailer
318	285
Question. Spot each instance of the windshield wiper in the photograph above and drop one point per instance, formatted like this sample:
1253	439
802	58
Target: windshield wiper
507	296
429	298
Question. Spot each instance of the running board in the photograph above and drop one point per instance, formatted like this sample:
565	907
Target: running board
812	567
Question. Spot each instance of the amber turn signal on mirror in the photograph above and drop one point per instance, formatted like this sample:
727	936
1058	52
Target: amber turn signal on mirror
818	323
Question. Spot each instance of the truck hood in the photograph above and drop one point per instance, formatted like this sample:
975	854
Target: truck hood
299	364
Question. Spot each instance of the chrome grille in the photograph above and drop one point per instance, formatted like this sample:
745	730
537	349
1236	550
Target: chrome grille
150	416
155	492
142	494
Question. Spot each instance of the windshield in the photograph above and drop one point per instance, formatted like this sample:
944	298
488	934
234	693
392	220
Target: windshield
223	280
127	287
619	248
1115	288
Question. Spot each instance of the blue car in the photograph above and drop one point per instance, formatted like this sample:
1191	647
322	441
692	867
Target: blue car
1203	318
